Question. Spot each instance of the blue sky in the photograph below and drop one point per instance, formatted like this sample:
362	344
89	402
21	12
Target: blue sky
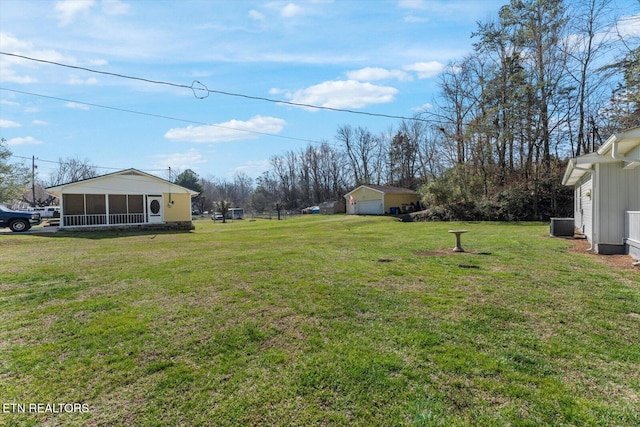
375	56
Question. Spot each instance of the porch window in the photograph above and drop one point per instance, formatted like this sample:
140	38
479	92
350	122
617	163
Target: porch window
96	209
73	204
126	209
102	209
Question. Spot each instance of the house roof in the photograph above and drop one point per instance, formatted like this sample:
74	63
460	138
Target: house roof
58	189
615	149
385	189
625	142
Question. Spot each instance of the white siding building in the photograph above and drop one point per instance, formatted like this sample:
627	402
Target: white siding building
607	194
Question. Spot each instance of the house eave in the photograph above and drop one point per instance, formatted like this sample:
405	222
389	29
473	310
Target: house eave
578	166
620	144
614	150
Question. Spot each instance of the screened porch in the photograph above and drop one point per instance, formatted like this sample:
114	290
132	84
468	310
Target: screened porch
103	209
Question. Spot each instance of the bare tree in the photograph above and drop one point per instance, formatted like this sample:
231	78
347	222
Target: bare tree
362	148
72	170
585	48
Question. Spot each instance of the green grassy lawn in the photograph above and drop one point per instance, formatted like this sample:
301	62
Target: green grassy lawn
318	320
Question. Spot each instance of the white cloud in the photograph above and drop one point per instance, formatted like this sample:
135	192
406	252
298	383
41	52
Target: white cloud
10	64
115	7
9	75
178	161
27	140
253	168
629	26
76	106
426	70
98	62
291	11
67	10
10	43
73	80
344	94
375	73
9	124
423	107
412	4
233	130
11	103
626	28
39	123
412	19
254	14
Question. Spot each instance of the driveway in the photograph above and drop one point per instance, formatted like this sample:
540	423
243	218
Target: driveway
39	229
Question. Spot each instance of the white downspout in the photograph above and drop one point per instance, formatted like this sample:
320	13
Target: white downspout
590	171
591	196
595	214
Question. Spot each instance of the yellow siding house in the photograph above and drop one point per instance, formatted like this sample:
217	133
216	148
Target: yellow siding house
125	199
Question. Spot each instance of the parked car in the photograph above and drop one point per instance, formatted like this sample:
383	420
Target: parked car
18	221
47	211
217	216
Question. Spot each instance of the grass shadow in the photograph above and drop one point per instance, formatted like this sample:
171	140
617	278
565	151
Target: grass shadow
98	235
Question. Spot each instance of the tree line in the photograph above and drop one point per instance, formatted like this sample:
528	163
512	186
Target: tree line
542	84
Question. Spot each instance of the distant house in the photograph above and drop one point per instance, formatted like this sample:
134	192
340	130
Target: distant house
607	194
380	199
125	199
334	207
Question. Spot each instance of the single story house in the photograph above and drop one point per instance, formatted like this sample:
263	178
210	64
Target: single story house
380	199
124	199
607	194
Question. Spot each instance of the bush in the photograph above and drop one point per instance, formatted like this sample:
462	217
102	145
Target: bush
515	203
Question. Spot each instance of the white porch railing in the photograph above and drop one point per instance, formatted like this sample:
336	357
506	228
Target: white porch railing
632	225
131	218
101	219
80	220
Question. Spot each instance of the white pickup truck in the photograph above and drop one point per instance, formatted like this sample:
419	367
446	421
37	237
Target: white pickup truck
47	211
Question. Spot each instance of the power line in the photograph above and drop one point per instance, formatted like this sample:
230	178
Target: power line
58	162
160	116
197	86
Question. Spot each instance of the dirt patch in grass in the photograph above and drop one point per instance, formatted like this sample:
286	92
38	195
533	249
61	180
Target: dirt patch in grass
617	261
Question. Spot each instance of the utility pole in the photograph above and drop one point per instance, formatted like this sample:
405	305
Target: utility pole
33	180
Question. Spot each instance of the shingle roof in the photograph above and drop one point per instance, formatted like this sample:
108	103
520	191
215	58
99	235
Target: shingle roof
390	189
387	189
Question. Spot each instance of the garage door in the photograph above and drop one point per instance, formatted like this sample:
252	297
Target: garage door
371	207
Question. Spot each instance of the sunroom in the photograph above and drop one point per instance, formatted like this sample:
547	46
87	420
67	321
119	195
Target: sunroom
121	199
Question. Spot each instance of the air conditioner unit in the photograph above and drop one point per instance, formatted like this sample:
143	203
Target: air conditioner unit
562	227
